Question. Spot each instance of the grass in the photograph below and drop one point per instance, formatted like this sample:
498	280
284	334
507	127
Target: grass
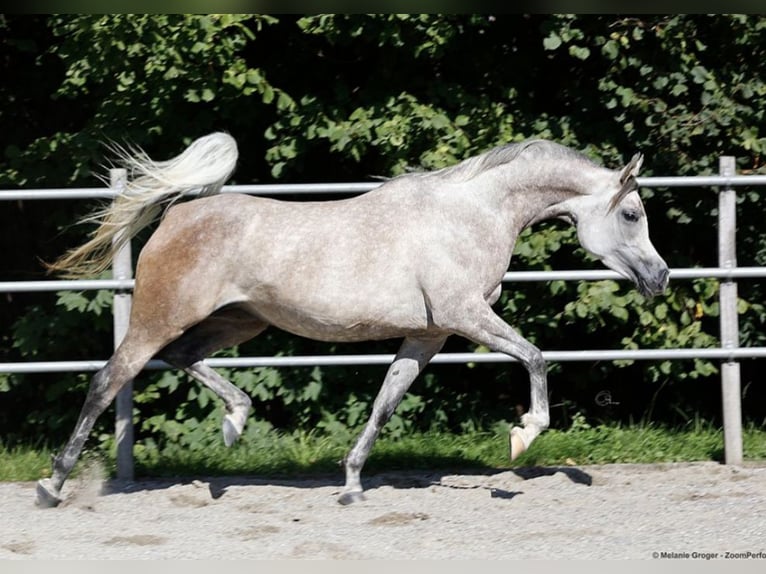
24	463
302	454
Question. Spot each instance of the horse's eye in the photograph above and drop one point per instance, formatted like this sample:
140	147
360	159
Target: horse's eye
630	216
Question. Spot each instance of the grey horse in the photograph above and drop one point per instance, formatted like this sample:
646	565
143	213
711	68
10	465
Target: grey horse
421	257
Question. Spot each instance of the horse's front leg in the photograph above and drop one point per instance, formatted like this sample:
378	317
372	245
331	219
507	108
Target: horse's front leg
486	328
413	355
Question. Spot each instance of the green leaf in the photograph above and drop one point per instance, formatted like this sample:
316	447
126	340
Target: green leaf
207	95
73	301
611	49
552	42
620	313
579	52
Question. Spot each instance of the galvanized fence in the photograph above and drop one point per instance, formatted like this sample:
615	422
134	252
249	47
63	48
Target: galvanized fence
729	353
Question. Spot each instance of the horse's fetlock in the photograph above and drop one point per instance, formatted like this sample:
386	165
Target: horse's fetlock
538	420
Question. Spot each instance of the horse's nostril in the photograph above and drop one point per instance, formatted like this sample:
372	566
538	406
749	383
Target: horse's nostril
662	278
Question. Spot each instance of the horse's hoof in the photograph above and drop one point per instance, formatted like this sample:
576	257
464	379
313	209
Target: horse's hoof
516	443
350	497
230	431
47	497
234	423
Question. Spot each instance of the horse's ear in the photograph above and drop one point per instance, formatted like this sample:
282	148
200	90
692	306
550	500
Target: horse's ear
627	180
631	170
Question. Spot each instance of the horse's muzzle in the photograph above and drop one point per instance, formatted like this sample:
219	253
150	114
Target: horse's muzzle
653	282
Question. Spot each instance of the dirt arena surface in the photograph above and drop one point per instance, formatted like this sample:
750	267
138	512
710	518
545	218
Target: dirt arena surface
705	510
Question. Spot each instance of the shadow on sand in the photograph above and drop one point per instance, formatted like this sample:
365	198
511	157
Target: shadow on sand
403	479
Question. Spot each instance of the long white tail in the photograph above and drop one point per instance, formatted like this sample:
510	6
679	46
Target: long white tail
152	187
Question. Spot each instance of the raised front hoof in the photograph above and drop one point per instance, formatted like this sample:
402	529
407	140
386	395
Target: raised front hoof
516	443
47	496
351	497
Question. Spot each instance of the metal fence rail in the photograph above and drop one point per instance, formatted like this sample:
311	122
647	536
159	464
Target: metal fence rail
509	277
385	359
360	187
729	353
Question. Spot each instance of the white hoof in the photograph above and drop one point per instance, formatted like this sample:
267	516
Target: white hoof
233	424
350	497
516	442
47	496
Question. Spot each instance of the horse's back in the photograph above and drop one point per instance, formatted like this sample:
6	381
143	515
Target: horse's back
372	266
317	269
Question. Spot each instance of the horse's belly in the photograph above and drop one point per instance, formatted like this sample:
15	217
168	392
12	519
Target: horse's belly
334	325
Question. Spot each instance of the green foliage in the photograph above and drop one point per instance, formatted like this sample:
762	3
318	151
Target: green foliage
24	462
47	401
309	453
608	445
347	97
675	321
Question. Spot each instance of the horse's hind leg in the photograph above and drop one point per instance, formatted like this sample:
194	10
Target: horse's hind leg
413	355
124	365
226	327
237	402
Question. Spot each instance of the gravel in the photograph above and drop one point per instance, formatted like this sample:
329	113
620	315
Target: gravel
702	510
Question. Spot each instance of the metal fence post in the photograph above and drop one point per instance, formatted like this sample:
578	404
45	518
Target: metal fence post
727	258
122	268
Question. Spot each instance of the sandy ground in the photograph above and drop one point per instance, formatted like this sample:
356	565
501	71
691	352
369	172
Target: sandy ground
611	511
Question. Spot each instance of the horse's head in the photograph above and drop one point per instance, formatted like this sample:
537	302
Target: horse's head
612	225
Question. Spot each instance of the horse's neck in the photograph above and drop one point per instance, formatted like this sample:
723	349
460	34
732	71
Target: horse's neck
535	191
